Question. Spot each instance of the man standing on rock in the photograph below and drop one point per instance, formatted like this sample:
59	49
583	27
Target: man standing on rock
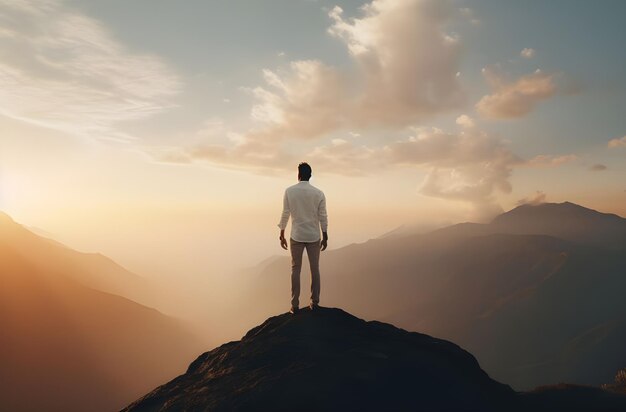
307	206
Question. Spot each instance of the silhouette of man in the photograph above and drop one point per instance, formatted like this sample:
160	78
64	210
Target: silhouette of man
307	206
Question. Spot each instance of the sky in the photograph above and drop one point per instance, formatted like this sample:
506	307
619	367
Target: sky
164	133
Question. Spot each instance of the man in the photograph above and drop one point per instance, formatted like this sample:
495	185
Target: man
307	206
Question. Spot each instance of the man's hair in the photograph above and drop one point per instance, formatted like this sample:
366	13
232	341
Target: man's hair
304	171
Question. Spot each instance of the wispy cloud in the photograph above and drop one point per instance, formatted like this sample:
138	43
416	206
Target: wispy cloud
617	142
67	72
513	99
544	160
527	53
536	198
468	165
469	15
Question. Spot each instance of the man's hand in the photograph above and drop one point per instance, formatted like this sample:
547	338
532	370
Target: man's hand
283	241
324	243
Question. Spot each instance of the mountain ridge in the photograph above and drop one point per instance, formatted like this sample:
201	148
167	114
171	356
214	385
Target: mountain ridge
77	346
330	360
482	287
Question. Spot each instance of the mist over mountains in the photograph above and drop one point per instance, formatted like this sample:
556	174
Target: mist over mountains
536	295
72	338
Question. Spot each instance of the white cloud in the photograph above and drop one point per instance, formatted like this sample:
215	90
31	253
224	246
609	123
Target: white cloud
617	142
306	102
465	121
405	70
470	165
515	98
68	73
528	53
406	61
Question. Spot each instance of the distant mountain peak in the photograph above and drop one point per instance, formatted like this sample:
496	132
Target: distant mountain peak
555	208
550	206
565	220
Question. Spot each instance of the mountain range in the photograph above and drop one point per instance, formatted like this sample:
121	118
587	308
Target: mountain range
537	295
72	338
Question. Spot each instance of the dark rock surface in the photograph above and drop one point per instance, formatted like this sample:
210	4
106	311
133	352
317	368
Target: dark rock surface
329	360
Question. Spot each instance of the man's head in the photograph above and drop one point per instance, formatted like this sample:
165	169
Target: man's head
304	171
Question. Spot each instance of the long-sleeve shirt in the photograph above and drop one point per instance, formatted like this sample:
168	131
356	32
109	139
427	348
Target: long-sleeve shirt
307	206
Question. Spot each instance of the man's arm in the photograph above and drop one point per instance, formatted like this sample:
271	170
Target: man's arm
284	218
323	217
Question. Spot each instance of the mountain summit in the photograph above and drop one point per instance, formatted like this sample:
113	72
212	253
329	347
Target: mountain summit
564	220
329	360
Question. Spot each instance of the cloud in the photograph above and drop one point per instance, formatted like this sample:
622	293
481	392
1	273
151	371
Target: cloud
307	101
617	142
465	121
527	53
346	158
469	15
512	99
550	160
68	73
404	70
535	199
406	63
598	167
469	165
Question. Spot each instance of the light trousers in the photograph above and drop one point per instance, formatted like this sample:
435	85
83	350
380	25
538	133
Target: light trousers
313	253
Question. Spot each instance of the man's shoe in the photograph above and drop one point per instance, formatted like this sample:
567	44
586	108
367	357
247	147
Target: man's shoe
293	310
314	306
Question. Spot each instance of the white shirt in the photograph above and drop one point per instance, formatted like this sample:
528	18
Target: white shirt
307	206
